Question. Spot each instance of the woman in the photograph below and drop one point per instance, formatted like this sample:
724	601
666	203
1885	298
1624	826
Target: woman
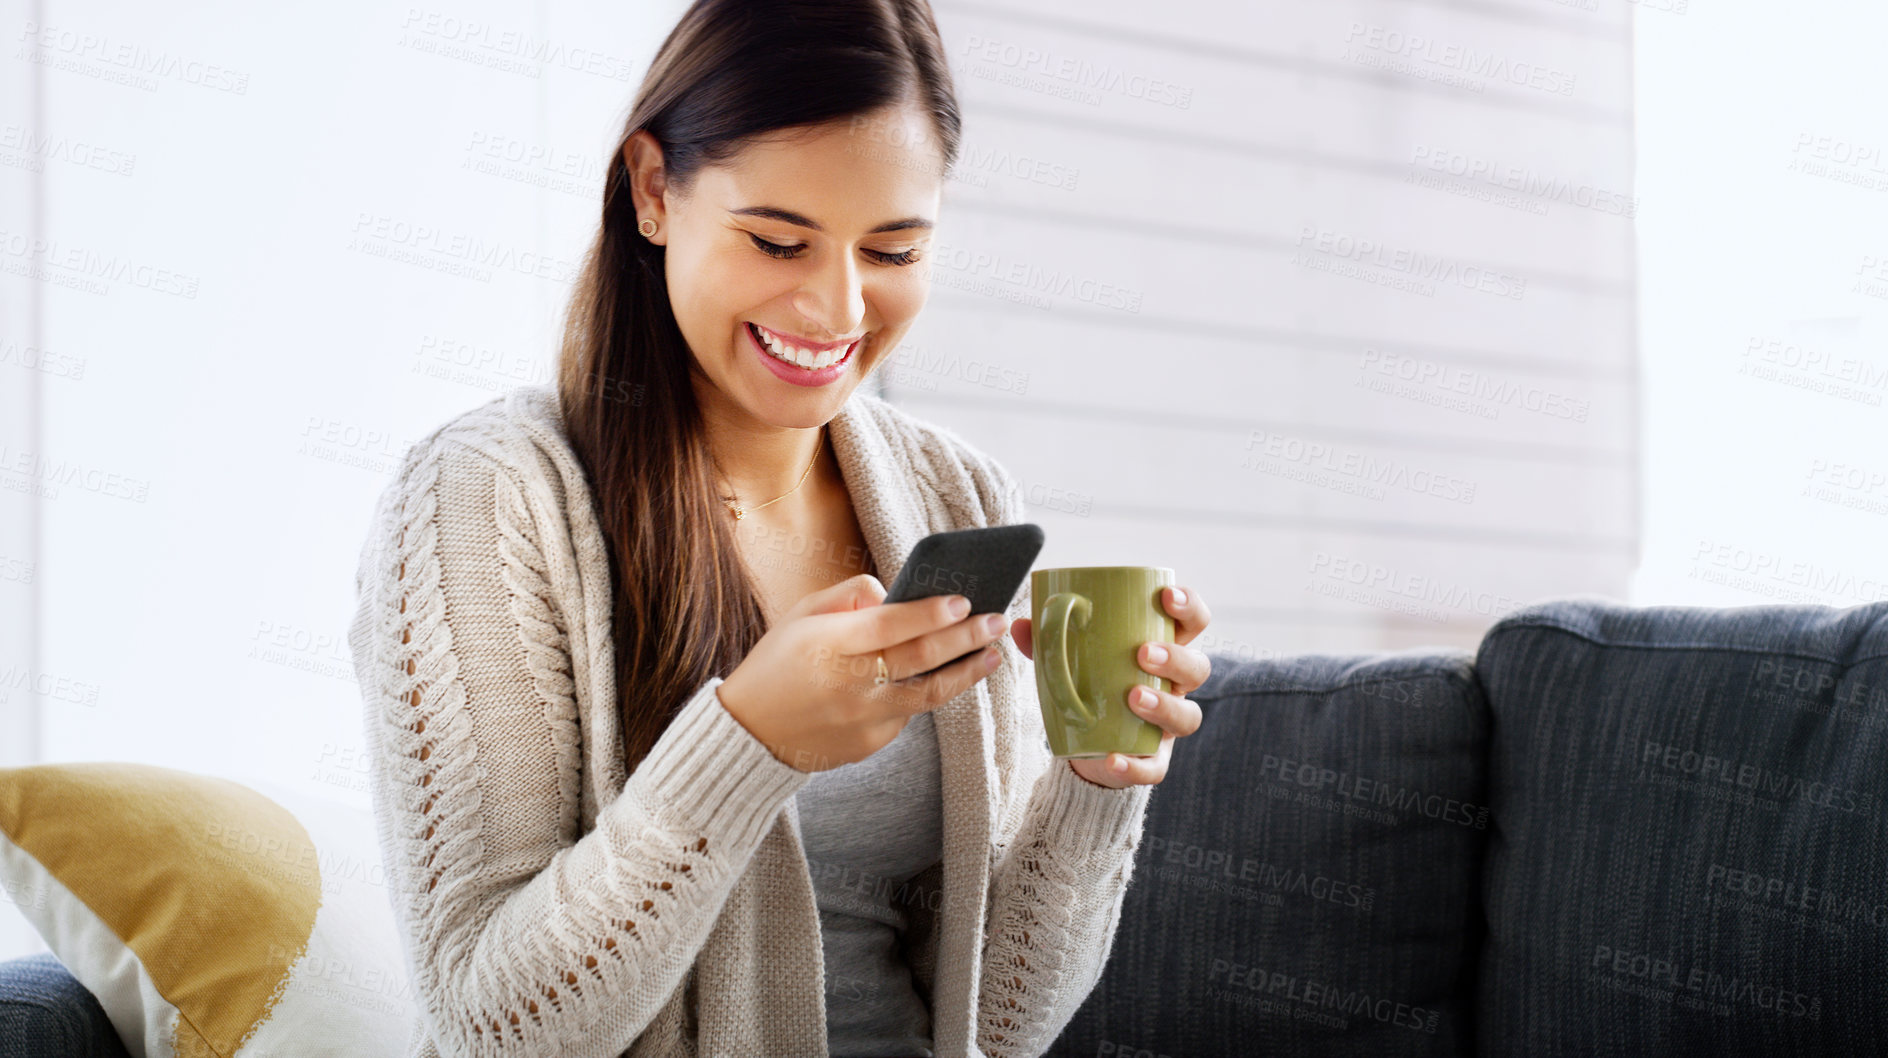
652	771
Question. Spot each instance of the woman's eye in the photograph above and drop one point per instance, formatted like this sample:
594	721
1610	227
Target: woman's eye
773	249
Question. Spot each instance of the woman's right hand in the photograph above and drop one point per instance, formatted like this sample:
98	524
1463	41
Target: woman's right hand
806	690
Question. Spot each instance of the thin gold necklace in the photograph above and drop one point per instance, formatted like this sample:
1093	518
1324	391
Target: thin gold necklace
739	512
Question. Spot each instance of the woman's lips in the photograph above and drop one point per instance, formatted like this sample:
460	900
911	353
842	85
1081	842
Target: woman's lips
794	373
795	341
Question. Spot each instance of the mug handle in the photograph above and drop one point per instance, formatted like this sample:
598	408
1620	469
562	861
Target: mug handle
1056	615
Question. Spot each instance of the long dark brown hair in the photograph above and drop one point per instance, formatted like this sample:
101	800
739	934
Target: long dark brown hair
685	609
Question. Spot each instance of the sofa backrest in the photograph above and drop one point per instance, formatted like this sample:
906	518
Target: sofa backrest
1305	881
1688	853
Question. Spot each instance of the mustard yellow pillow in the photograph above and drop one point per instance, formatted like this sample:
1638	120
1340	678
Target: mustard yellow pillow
208	918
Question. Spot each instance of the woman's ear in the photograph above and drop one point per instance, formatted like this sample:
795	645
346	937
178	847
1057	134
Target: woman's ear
648	180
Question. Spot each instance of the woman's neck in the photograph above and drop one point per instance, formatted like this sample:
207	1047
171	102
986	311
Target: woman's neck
765	463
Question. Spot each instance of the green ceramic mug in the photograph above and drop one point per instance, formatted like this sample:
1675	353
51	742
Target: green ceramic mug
1087	627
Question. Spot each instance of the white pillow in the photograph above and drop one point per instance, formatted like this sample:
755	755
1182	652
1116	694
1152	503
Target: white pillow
208	918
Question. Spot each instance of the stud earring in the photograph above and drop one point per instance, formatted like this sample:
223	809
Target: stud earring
647	227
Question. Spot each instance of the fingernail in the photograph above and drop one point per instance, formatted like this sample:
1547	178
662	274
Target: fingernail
1179	596
959	606
1156	653
1119	764
990	658
1143	698
993	622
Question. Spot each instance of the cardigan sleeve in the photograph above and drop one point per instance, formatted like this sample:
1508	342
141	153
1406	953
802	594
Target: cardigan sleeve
1060	878
522	937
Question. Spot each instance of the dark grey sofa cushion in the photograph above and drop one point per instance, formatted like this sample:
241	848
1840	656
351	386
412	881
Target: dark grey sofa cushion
46	1013
1688	855
1306	881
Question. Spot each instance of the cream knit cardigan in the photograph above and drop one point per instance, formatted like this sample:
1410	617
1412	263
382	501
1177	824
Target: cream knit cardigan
550	904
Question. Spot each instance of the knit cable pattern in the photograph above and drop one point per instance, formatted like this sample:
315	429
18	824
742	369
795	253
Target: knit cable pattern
574	951
545	641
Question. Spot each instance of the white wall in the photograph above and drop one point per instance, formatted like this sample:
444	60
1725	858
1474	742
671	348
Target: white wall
1339	453
21	385
23	376
233	400
1764	170
239	324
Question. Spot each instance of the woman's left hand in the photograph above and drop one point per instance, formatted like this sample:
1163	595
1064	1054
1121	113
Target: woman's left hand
1171	711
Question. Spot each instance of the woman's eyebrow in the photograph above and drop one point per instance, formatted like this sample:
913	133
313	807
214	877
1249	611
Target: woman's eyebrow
790	217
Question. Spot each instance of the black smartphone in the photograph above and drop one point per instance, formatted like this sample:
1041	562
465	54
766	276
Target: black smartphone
986	566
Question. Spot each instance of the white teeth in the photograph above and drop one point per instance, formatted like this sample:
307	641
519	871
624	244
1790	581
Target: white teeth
795	355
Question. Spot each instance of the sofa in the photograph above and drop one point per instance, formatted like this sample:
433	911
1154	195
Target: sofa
1608	830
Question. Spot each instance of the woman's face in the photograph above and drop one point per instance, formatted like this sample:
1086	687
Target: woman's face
845	212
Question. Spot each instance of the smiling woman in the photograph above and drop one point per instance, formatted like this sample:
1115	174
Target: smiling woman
760	253
652	772
813	294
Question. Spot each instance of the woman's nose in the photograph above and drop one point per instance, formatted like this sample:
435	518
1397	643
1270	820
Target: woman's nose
832	300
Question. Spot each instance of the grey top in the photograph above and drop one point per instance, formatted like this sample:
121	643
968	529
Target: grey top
869	827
